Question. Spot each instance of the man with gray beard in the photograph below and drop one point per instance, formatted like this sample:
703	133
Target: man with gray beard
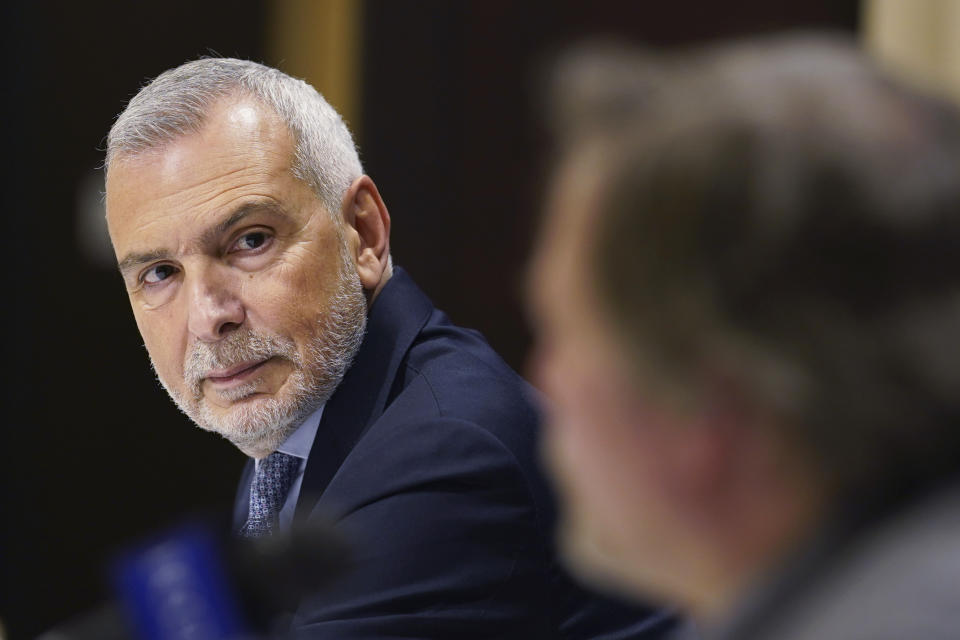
256	256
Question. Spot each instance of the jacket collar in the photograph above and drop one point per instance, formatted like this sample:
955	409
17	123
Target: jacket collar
395	318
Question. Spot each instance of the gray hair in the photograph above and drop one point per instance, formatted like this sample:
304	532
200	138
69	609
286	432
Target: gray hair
176	104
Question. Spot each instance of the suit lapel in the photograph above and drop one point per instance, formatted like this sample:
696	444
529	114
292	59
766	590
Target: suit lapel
395	319
242	502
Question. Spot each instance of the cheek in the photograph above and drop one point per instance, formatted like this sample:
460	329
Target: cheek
592	438
598	448
614	473
286	307
164	337
288	297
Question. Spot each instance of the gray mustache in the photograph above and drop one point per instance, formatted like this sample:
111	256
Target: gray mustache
242	345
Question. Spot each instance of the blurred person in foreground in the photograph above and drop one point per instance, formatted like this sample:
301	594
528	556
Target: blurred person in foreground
256	256
747	296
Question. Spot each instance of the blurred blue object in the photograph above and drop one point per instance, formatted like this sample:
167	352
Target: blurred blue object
176	588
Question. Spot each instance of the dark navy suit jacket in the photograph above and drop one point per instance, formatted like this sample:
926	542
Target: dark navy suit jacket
426	460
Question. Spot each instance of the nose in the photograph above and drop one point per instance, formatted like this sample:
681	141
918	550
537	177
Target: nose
215	308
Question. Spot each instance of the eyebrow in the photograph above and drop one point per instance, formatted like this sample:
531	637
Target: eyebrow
135	259
132	260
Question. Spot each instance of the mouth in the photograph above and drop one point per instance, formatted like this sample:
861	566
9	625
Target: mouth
235	375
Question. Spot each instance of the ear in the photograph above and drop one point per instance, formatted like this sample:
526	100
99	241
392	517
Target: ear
695	439
725	450
365	213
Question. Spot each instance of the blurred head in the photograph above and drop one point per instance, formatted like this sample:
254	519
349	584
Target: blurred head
249	241
747	299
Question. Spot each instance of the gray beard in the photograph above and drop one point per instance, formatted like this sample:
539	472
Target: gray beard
262	426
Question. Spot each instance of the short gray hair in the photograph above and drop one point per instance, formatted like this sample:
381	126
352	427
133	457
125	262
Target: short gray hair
176	104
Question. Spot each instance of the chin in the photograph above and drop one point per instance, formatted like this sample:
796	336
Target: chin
256	424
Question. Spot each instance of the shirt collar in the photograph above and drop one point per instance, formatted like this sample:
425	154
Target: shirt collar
299	442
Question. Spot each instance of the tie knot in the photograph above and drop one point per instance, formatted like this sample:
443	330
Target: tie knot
268	491
277	468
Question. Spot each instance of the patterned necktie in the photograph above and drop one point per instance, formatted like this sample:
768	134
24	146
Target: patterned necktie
268	491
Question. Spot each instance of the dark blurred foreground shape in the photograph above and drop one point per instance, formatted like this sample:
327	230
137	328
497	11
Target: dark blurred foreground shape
748	297
445	128
196	580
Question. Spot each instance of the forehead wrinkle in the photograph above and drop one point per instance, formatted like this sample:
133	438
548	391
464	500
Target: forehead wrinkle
201	178
205	180
205	191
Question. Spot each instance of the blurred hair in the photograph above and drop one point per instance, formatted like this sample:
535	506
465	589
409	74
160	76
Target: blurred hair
177	102
780	211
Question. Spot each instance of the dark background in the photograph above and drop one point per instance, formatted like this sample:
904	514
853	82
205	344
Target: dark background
94	455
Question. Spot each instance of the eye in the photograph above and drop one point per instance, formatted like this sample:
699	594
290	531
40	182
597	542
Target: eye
158	273
251	241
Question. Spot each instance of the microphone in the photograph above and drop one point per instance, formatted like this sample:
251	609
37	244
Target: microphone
191	584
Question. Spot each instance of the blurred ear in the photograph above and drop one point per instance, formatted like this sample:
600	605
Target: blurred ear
365	213
732	450
708	454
